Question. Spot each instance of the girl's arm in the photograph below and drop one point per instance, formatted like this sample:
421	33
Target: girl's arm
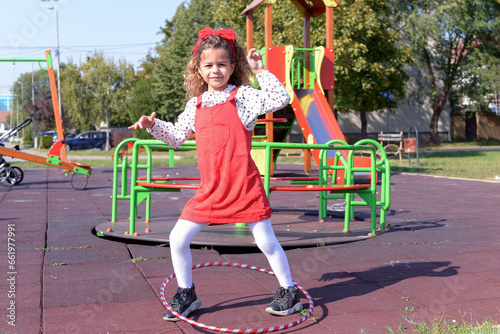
272	95
252	102
174	134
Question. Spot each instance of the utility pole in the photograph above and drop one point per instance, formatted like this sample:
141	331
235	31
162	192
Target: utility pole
58	59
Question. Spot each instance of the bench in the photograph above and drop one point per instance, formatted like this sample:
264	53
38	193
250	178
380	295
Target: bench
394	143
326	184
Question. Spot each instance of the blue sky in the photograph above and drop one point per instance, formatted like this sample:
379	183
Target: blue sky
121	29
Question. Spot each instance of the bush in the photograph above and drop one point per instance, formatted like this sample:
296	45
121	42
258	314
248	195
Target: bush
46	142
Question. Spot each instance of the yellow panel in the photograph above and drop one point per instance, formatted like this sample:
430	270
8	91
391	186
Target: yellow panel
288	65
317	66
299	7
330	3
259	156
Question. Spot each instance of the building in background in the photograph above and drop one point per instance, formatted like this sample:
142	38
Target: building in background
5	110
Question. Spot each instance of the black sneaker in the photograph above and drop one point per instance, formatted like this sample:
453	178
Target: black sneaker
285	301
183	302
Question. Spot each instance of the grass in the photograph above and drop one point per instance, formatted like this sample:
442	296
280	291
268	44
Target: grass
483	165
140	258
472	164
455	159
444	325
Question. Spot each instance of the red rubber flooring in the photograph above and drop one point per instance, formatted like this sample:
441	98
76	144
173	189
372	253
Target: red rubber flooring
439	258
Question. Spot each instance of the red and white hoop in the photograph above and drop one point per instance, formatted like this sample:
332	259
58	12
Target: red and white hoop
236	330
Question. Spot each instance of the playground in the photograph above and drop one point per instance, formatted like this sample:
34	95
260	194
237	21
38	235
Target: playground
439	257
371	248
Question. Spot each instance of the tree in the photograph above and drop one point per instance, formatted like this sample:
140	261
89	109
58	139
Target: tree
23	93
369	58
42	111
443	35
181	35
143	102
97	91
481	87
287	23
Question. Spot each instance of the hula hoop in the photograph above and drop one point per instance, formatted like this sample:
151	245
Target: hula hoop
235	330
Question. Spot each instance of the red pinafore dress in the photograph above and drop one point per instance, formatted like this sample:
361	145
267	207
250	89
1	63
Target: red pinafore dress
231	189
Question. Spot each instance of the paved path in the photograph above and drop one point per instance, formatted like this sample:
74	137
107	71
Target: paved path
439	257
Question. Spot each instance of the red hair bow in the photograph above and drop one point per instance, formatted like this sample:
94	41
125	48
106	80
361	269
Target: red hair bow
226	34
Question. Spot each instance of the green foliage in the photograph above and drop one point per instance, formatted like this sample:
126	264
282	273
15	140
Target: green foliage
46	141
143	102
27	134
32	98
42	113
147	66
23	92
97	90
287	23
369	58
482	84
181	35
449	39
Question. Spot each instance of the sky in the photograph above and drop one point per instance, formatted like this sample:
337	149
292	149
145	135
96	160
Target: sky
121	29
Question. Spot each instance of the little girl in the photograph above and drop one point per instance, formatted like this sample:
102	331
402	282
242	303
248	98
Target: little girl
223	110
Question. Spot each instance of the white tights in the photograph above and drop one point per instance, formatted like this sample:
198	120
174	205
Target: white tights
184	231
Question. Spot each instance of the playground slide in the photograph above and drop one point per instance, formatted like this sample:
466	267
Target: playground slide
315	117
319	126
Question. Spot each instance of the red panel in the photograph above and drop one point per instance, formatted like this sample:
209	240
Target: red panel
332	187
327	70
275	62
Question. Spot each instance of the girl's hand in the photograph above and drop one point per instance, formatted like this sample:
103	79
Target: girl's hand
255	61
145	122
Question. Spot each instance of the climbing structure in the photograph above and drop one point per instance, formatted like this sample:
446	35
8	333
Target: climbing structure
306	72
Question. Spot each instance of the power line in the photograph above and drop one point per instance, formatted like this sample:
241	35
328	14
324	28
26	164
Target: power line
78	46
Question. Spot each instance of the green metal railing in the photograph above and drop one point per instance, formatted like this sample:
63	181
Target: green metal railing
136	194
298	68
37	60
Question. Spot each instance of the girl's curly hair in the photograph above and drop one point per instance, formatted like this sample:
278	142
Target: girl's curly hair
242	74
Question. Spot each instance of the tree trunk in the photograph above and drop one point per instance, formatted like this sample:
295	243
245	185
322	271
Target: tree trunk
437	107
362	116
434	126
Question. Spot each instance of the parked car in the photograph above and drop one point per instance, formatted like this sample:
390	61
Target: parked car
67	135
47	133
87	140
